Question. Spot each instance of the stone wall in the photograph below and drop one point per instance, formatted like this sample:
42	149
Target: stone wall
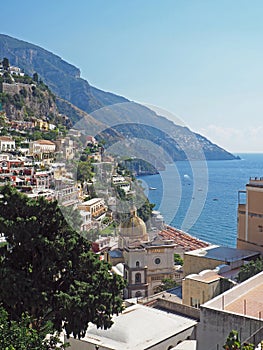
15	88
182	309
215	326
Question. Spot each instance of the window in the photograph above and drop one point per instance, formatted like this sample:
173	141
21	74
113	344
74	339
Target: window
157	261
195	302
138	278
137	263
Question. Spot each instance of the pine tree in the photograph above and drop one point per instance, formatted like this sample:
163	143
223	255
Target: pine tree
49	270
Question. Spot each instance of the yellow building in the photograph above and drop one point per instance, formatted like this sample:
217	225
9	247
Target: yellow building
145	263
96	206
132	230
199	288
250	216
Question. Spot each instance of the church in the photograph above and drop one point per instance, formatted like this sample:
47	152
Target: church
144	263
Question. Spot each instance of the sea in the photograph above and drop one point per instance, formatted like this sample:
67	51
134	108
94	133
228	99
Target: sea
201	197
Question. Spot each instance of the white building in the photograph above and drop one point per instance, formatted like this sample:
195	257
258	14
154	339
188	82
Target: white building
96	206
138	328
42	148
86	220
7	144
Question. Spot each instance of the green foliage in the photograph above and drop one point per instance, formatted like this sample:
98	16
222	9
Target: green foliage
52	273
139	167
167	283
21	336
35	77
7	78
91	235
5	63
17	100
250	269
178	260
233	342
23	92
85	171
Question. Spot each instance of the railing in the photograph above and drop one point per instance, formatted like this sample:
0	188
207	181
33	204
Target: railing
255	338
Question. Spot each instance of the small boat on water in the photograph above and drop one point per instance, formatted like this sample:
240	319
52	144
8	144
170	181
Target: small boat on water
152	188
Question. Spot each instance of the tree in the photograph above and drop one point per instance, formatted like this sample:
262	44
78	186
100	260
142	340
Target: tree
250	269
233	342
167	283
178	260
85	171
50	271
35	77
20	336
5	63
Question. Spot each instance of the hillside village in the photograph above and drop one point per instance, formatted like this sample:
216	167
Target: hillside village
192	306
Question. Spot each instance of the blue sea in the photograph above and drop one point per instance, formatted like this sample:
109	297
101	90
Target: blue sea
201	198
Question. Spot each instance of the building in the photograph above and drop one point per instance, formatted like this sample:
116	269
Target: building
67	195
250	216
132	230
157	220
199	288
86	220
120	182
10	164
65	147
146	262
146	266
138	328
183	241
212	256
42	149
240	308
7	144
96	206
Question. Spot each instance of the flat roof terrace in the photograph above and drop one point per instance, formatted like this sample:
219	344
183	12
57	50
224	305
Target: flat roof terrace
244	299
251	303
223	253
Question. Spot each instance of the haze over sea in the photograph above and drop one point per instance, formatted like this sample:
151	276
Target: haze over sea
217	222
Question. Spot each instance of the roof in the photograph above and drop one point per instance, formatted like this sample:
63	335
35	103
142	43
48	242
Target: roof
244	299
182	239
134	227
205	276
226	254
139	327
186	345
115	254
92	201
45	142
6	138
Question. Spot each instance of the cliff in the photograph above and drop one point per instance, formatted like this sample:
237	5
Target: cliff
107	109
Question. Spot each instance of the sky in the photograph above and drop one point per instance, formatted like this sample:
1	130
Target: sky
200	60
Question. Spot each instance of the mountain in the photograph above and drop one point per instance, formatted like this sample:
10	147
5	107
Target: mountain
76	96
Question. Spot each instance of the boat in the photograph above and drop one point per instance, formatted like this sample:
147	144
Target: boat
152	188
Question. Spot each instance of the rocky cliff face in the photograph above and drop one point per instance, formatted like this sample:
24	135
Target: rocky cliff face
107	109
23	101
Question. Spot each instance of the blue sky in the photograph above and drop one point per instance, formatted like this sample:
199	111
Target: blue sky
200	60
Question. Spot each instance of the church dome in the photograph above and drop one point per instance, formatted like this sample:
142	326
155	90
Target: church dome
134	227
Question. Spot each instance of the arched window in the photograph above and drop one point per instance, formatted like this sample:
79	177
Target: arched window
138	278
137	263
